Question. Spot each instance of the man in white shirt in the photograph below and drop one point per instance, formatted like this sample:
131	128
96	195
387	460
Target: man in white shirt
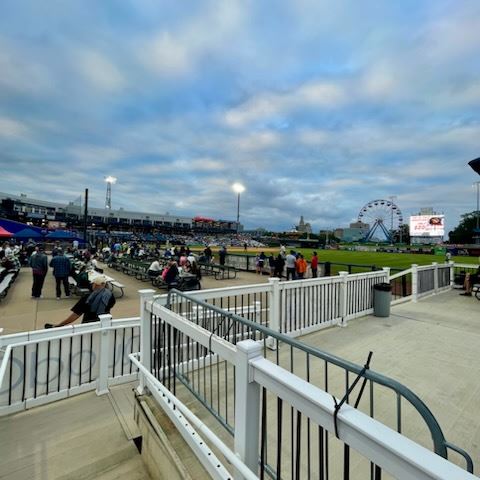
7	249
155	269
290	262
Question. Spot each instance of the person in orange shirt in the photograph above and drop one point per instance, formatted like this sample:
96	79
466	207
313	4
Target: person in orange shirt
301	266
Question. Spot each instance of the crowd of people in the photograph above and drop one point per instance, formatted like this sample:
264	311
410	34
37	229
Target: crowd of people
71	262
291	266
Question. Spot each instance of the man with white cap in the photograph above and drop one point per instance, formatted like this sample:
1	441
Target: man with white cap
99	302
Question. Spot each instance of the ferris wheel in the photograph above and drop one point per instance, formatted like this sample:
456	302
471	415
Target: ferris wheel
383	216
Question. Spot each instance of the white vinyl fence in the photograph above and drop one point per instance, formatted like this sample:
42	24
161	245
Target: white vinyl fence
46	365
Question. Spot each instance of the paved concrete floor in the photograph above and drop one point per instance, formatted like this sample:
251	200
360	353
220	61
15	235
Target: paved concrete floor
19	312
83	437
431	347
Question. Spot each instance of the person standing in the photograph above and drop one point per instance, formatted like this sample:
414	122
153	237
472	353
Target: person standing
271	264
314	265
290	262
39	266
222	255
61	270
300	266
208	254
279	266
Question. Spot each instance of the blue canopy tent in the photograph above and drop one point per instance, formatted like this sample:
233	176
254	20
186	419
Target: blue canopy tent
63	235
28	233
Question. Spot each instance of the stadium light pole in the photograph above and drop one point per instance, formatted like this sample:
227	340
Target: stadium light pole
475	165
238	188
110	181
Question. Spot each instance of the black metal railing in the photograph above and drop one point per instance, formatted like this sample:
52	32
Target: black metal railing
212	381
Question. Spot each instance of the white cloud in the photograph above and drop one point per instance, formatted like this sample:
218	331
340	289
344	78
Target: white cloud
256	141
166	55
20	73
99	71
314	95
93	155
10	128
177	51
310	136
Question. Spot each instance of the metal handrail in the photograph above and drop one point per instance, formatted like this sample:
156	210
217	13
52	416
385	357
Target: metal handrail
194	420
438	438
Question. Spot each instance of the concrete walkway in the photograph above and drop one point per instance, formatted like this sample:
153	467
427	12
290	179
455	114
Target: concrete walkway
83	437
431	347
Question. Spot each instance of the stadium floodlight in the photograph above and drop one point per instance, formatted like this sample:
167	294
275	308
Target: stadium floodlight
110	181
238	188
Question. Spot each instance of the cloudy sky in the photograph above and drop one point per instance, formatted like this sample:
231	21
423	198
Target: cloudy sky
317	107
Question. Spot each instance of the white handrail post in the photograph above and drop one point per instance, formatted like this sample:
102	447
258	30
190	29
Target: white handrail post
102	382
247	407
435	276
387	273
274	303
452	273
145	335
343	298
414	282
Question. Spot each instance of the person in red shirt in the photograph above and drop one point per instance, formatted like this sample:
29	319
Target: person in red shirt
314	265
301	266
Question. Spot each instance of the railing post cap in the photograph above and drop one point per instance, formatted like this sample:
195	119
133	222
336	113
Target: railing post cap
273	280
146	292
250	347
434	263
343	274
105	318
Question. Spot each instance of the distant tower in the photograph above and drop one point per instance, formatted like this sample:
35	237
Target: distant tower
108	200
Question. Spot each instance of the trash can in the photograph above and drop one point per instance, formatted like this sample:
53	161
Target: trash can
382	296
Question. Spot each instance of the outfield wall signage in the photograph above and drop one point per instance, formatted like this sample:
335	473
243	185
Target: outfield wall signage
427	226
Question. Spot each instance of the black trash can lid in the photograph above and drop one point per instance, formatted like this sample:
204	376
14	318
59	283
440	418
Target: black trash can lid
383	287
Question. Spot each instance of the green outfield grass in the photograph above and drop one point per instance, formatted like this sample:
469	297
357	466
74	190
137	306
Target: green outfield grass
379	259
393	260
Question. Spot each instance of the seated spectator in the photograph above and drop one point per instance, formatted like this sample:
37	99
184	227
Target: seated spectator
171	273
10	262
470	280
154	270
82	277
94	264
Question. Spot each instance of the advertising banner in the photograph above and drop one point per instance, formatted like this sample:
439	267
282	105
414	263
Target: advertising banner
427	226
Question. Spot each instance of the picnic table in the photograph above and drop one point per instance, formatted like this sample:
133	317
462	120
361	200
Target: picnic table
111	282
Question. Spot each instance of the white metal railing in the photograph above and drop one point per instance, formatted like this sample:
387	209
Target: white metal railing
300	306
42	366
388	450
